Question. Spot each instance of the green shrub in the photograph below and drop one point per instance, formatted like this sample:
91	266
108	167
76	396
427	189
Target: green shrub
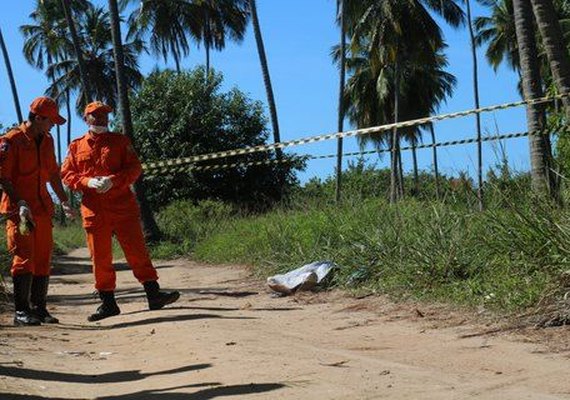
184	222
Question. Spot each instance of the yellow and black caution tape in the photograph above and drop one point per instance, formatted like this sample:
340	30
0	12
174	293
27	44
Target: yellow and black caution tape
357	132
195	168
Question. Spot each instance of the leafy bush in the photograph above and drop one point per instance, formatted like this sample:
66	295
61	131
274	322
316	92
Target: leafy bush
184	114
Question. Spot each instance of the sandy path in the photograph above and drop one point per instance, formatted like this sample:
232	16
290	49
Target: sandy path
252	346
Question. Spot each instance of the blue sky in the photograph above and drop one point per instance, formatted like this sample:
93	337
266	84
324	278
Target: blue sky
298	36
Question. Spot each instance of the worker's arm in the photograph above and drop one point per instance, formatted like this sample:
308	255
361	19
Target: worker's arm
55	176
70	174
131	166
8	160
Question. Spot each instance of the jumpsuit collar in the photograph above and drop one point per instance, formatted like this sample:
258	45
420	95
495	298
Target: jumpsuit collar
26	131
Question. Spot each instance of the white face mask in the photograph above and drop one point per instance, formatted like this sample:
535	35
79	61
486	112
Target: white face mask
98	129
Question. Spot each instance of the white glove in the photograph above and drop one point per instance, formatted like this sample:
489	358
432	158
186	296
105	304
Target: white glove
94	183
24	211
106	184
67	210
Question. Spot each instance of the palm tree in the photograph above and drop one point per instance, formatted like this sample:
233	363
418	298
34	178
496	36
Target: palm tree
266	76
532	88
150	226
476	100
11	78
45	41
391	32
220	20
78	50
169	24
342	62
554	45
370	96
498	31
97	52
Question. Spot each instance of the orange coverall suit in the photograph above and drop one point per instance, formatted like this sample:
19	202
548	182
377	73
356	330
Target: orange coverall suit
28	166
116	211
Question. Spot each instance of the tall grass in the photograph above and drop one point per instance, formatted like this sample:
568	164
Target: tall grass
504	258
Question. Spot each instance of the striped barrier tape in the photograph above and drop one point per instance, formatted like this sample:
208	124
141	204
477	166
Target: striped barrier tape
357	132
191	168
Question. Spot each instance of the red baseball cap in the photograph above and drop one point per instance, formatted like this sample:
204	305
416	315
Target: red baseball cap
97	106
47	107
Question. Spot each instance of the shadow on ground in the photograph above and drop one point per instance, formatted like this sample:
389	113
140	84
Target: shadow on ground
63	267
110	377
218	390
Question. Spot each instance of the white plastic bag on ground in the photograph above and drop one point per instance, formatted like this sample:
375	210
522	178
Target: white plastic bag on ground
304	278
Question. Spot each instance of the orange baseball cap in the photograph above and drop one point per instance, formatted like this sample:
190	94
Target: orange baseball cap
97	106
47	107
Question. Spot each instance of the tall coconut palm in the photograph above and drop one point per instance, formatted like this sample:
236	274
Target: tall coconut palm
11	78
69	17
221	20
266	76
499	33
342	68
169	25
46	40
172	24
370	95
97	52
150	226
532	88
477	105
391	30
554	45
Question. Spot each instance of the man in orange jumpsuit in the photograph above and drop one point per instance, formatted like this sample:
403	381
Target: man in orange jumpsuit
103	165
27	163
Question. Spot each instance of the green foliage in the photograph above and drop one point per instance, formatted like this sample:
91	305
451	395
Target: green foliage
183	223
184	114
68	237
504	258
500	258
362	181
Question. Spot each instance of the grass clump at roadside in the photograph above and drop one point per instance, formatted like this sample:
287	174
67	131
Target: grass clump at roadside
505	258
68	237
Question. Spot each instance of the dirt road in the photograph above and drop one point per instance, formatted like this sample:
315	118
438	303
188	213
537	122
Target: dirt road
228	338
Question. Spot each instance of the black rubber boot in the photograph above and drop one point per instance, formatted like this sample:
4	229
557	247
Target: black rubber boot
38	299
23	315
156	298
108	308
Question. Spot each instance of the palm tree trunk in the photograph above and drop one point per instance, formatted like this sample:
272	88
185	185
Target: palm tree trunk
395	168
207	61
207	40
78	51
176	61
556	51
266	76
477	116
340	101
532	88
68	111
11	78
435	163
69	116
416	172
401	187
149	224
